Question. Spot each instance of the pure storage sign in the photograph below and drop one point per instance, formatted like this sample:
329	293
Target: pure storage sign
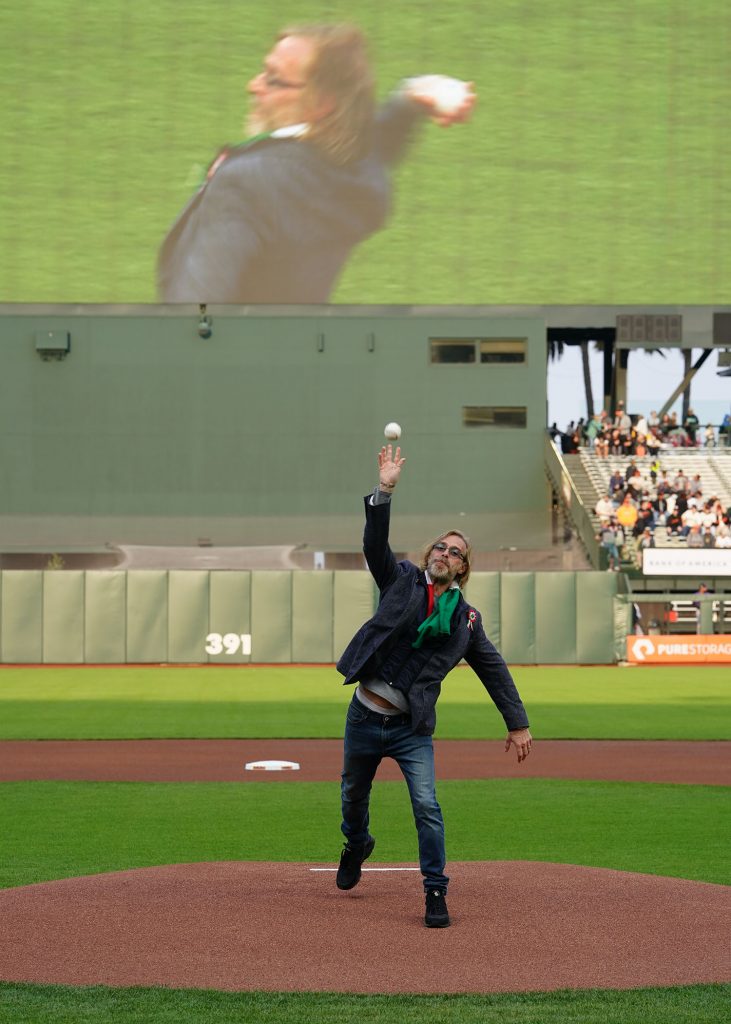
646	650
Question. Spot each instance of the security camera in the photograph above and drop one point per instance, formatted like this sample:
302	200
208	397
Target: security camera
205	327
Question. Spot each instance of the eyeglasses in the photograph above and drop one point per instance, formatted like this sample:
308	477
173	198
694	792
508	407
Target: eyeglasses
272	82
452	552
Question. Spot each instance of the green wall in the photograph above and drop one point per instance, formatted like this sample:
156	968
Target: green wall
265	433
154	616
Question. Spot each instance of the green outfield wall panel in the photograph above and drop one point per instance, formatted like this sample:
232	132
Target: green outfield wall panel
105	608
63	617
188	605
483	593
21	630
594	617
518	617
555	618
354	596
271	616
196	616
147	615
229	619
312	616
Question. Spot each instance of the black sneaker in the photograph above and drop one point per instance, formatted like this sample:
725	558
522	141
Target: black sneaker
350	861
437	915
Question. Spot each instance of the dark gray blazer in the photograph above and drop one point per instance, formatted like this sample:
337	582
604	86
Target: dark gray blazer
277	220
399	603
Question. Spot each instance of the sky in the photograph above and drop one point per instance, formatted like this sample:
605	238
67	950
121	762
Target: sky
650	382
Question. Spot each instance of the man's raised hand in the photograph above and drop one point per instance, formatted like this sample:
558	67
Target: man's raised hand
389	467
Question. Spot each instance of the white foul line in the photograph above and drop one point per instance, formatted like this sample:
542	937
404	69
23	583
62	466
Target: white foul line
369	869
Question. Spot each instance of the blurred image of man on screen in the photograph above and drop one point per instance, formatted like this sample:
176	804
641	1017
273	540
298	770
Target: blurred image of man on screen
278	215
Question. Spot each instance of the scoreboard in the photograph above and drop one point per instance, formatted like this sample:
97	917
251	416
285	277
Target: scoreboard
649	329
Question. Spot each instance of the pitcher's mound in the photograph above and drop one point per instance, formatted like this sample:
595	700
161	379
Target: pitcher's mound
516	926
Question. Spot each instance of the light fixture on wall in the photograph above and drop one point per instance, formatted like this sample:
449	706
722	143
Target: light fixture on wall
54	345
205	322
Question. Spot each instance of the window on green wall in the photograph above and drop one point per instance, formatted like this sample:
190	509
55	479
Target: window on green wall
494	416
503	350
478	350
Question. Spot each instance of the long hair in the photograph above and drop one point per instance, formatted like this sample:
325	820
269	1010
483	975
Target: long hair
466	564
341	72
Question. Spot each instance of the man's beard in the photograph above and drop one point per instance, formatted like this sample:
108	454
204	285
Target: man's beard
255	124
438	571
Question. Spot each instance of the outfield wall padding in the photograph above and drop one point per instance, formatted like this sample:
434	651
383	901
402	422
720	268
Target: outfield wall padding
230	611
105	617
283	616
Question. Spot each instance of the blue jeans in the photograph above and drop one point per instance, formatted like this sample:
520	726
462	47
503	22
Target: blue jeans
369	737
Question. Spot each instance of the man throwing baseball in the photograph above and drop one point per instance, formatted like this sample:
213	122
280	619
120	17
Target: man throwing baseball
278	215
422	628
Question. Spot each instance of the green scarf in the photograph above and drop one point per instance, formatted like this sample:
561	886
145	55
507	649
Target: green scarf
437	624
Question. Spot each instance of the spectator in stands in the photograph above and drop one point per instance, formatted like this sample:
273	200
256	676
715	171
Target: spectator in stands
622	421
645	519
635	485
641	425
723	533
710	436
717	508
664	485
690	425
695	487
616	480
654	421
709	541
618	498
680	482
691	517
607	537
674	524
632	469
615	442
601	444
695	537
593	429
653	443
618	529
660	505
681	502
627	514
641	445
604	508
646	541
570	441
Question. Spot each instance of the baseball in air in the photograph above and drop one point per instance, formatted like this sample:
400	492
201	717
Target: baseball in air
392	431
447	94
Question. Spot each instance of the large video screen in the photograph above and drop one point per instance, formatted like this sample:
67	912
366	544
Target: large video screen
596	165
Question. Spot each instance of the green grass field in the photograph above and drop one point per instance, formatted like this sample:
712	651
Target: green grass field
55	1004
61	829
597	167
53	830
563	702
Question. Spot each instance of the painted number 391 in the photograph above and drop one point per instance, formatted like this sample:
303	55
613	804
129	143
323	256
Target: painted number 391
228	643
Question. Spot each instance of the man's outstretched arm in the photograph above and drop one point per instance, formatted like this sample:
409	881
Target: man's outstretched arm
405	110
380	558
